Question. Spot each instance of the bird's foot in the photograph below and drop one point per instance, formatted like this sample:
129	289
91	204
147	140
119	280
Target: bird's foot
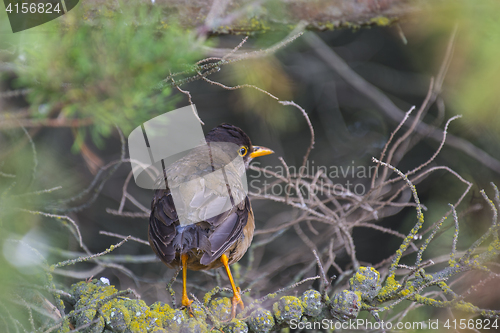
186	302
236	300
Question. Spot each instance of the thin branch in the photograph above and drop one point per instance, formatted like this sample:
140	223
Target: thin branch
135	239
389	108
82	259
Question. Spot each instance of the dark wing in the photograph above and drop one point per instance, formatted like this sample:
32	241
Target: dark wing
228	228
166	237
162	225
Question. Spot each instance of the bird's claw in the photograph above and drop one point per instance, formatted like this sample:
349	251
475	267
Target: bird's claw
186	302
236	300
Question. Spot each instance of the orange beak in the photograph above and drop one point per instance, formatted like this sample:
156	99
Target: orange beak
260	151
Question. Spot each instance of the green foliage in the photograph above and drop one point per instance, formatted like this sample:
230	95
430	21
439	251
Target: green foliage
472	78
105	72
478	88
266	74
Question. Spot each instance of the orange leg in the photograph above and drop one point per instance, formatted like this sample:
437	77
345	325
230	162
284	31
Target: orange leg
236	291
185	300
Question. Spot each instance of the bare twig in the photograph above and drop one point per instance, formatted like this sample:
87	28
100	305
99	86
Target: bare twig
390	109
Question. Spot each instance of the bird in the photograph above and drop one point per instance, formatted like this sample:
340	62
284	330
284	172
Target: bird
216	241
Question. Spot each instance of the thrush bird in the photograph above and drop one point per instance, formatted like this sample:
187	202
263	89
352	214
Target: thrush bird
219	240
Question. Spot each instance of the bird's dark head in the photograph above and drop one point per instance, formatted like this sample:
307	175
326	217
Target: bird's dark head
230	133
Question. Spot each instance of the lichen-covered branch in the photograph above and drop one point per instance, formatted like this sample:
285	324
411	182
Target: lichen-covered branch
249	16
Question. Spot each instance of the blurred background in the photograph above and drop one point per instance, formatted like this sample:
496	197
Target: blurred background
66	86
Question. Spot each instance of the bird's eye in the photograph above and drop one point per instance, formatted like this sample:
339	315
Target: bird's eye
243	151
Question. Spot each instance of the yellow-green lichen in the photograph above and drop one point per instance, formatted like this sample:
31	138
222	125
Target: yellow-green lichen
367	281
174	319
311	302
261	321
345	305
123	314
390	287
407	291
381	21
288	308
221	308
193	325
236	326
